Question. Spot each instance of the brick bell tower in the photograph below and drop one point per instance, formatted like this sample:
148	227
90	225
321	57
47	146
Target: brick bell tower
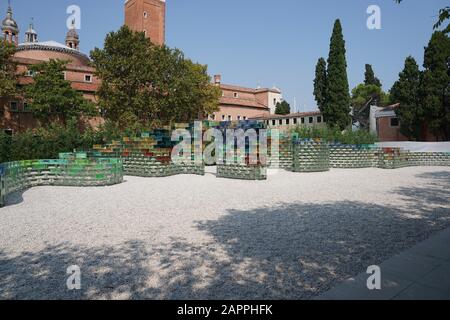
148	16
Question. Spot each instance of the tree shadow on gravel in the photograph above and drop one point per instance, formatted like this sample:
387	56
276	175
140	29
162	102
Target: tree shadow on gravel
432	194
292	251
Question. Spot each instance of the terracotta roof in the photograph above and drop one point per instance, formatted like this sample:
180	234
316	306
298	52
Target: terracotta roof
249	90
82	86
242	102
71	67
50	46
288	116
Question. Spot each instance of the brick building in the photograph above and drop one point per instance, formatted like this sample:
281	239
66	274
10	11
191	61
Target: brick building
388	126
148	16
305	119
240	103
15	116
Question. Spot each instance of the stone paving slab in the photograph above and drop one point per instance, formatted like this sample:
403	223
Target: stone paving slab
421	273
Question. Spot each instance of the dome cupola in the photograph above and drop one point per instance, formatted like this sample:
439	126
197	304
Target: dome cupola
10	29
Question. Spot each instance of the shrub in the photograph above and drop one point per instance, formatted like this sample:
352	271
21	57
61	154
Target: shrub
336	136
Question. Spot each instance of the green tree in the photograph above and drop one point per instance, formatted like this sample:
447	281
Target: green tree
320	83
435	88
369	77
283	108
336	110
406	92
147	84
7	69
364	96
51	97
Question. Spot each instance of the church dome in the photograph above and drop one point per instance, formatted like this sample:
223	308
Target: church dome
9	23
72	33
47	50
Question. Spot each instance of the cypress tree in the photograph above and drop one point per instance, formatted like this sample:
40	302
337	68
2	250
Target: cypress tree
337	104
435	86
370	78
406	92
320	83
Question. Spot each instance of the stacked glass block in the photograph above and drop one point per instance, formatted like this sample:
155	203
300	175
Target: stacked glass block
150	154
429	158
69	170
392	158
352	156
310	155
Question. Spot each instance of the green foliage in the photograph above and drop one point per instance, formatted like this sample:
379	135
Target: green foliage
435	88
369	77
320	83
7	69
283	108
364	96
406	92
48	142
50	97
334	135
5	147
147	84
336	109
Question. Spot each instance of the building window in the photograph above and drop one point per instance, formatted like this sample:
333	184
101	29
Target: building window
239	117
319	119
303	120
26	107
273	122
30	73
281	122
287	121
145	14
311	119
213	117
295	120
230	118
14	106
223	117
275	101
395	122
87	78
236	95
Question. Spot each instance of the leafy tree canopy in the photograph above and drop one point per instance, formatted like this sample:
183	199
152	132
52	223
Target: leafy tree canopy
7	69
405	91
364	96
283	108
51	97
149	84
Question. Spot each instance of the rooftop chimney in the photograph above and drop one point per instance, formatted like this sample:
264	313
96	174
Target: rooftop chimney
217	79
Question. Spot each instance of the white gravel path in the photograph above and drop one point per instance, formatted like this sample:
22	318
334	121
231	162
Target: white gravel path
293	236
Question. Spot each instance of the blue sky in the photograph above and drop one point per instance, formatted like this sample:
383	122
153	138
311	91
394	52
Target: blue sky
260	42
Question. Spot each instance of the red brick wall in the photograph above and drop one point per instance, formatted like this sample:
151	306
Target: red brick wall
153	24
388	133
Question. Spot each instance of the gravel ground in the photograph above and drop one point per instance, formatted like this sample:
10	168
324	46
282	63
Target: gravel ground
190	237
